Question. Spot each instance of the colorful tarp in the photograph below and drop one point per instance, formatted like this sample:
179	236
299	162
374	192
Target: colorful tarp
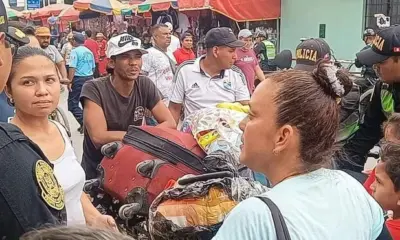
70	14
104	6
11	13
249	10
50	10
157	5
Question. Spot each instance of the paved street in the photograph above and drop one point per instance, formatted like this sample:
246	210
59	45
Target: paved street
77	138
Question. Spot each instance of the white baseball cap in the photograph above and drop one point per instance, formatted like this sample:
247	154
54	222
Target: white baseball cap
123	43
169	25
245	33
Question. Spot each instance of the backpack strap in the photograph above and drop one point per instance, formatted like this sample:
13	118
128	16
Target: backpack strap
282	232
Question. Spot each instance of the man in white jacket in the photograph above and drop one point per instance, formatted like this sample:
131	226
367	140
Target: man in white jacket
175	43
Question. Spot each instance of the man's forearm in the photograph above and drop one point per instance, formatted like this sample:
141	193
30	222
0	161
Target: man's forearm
71	73
62	69
259	73
101	138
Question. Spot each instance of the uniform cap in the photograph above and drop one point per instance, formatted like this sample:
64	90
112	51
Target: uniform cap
12	32
309	52
385	45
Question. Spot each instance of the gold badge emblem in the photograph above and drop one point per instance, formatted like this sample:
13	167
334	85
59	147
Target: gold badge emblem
19	33
51	191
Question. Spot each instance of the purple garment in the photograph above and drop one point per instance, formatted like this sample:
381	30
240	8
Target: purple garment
247	62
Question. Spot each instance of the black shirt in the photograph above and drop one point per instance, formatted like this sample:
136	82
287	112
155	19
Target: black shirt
30	196
119	112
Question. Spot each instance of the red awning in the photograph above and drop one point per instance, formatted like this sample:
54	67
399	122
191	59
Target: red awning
185	5
248	10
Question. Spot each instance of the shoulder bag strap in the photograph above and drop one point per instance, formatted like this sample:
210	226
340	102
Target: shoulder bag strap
281	229
171	62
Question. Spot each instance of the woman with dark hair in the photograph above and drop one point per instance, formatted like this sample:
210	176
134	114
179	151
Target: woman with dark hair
289	136
35	92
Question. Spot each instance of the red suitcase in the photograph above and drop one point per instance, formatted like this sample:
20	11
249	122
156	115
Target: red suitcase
140	168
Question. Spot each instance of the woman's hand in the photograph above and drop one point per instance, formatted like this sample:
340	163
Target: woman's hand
105	222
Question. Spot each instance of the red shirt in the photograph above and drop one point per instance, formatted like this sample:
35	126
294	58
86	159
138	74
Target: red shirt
247	61
182	55
370	180
102	47
392	225
93	47
394	228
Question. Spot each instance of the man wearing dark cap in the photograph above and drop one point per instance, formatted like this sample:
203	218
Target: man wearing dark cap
308	54
210	79
30	196
367	72
81	68
384	55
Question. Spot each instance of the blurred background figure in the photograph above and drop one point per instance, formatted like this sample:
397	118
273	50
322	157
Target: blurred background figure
185	53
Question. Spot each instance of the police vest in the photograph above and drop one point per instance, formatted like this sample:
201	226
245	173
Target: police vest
350	124
387	100
270	50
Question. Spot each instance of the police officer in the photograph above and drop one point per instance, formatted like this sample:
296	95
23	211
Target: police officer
266	51
384	55
368	73
30	196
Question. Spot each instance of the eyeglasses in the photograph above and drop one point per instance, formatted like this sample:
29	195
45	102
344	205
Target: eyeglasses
10	43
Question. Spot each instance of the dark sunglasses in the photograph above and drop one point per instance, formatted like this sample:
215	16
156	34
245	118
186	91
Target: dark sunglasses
11	43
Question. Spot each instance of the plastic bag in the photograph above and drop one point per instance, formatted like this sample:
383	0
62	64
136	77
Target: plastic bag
197	210
216	129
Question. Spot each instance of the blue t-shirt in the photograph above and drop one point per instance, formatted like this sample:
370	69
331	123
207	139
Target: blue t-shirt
6	111
321	205
82	60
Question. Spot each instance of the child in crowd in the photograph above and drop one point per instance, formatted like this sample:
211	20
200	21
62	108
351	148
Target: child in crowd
385	178
391	130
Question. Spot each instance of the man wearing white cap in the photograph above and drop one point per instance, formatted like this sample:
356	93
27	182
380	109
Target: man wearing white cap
247	60
175	43
112	103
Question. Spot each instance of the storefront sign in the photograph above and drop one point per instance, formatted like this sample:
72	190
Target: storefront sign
33	4
12	3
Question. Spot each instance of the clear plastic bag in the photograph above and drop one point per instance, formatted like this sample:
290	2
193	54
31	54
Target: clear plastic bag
197	210
216	129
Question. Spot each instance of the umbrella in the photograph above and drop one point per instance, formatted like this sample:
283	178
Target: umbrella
69	14
50	10
157	5
11	13
104	6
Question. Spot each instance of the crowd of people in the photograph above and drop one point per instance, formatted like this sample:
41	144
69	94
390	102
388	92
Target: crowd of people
289	135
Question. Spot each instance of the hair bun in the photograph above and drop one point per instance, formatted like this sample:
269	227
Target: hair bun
335	82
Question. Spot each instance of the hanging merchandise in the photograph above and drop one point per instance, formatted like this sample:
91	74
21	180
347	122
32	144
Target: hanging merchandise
184	23
166	16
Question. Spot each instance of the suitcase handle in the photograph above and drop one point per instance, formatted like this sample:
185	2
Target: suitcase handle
204	177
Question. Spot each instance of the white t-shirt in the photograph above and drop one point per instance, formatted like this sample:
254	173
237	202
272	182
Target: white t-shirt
158	69
71	177
175	44
322	205
196	90
54	54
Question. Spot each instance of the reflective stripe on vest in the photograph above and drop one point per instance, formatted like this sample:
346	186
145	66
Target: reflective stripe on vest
387	101
270	51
